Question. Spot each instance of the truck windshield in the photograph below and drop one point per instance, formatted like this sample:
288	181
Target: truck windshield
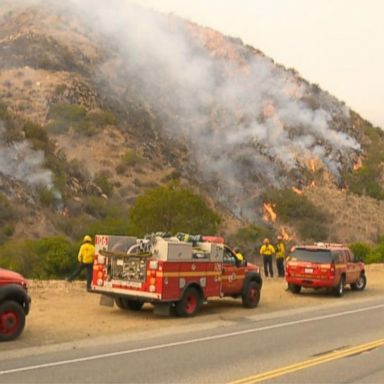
311	255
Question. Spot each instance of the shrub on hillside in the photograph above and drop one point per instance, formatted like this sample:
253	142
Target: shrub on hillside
8	216
102	118
47	258
367	180
129	159
64	116
102	181
172	208
361	250
46	196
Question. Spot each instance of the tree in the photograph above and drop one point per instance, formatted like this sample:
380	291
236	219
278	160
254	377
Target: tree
173	209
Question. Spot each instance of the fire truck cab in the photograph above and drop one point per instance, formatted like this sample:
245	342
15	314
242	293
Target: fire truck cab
175	276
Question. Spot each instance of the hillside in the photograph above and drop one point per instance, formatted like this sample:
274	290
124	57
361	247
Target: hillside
97	108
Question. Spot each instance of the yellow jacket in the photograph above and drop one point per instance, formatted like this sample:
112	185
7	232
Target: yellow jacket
267	250
86	253
280	250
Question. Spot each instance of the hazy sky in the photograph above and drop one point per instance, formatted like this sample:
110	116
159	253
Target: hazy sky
338	44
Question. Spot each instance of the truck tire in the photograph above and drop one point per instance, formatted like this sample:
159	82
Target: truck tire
339	289
251	296
360	284
189	304
294	288
12	320
127	304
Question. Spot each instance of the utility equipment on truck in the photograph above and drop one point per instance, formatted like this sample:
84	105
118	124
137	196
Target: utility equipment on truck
175	276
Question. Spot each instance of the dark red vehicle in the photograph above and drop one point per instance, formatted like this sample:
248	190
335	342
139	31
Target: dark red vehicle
14	304
324	265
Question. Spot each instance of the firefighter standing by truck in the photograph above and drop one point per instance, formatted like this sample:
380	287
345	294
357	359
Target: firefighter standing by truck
280	256
267	250
85	258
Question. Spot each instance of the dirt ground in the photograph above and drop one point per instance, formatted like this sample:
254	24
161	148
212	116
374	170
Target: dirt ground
65	312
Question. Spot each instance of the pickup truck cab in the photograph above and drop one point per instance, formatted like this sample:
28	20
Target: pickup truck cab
14	304
324	265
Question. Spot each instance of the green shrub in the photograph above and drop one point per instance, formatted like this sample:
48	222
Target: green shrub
38	136
65	116
102	118
96	207
68	112
7	213
85	128
46	258
172	208
46	195
361	250
8	217
367	179
101	180
368	253
376	256
129	159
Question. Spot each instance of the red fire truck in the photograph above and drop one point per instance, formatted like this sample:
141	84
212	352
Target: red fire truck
177	277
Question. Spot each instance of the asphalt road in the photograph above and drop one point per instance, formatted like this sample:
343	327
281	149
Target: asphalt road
340	343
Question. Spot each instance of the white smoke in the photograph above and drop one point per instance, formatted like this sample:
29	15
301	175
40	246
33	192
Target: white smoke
245	111
19	161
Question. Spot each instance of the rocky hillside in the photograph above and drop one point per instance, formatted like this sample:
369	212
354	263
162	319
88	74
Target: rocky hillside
103	105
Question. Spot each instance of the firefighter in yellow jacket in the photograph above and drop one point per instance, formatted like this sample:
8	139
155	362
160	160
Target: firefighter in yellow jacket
85	258
280	256
267	250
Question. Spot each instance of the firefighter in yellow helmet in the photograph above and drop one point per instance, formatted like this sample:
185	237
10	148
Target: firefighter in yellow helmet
85	258
267	250
239	255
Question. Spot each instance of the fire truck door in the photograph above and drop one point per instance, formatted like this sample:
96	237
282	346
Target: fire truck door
233	276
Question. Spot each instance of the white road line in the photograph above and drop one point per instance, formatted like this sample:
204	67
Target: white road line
191	341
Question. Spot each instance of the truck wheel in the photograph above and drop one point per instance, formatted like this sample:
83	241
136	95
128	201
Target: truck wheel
12	320
251	295
120	302
339	289
294	288
360	284
124	303
189	304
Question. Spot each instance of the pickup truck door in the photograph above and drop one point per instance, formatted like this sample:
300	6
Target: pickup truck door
353	269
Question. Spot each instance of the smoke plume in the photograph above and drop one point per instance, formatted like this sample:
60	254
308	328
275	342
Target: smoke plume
246	120
19	161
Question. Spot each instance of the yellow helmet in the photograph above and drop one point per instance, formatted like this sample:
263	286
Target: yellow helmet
87	238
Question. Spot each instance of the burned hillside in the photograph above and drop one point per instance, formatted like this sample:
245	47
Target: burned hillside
132	99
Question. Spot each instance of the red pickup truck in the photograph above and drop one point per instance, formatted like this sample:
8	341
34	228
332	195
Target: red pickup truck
324	265
14	304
